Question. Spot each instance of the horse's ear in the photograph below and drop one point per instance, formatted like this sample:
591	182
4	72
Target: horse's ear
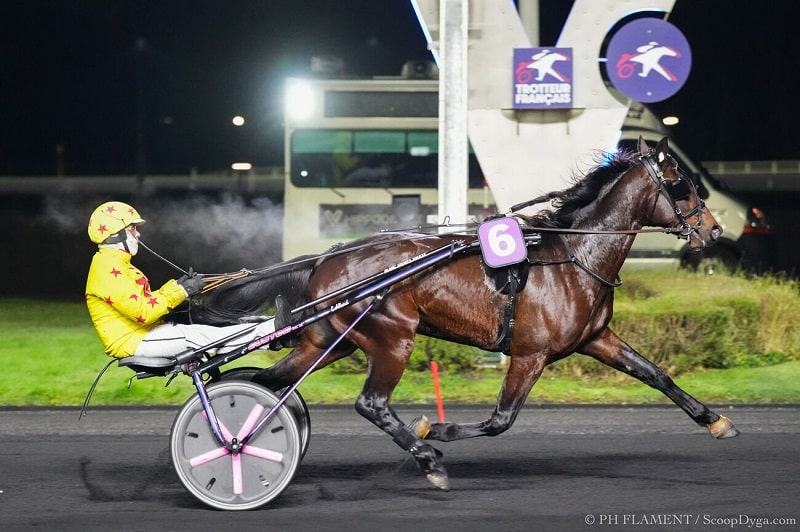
662	150
644	149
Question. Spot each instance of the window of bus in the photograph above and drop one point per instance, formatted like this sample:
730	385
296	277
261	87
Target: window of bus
363	159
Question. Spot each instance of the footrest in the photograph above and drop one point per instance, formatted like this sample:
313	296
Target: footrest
147	362
148	366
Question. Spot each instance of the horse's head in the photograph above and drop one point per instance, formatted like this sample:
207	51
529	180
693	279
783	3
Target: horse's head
677	204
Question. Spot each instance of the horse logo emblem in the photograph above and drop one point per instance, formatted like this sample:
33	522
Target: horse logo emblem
542	78
542	63
648	60
649	57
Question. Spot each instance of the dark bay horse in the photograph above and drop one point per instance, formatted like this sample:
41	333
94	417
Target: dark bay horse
565	306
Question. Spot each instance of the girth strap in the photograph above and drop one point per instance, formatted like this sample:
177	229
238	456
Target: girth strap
513	286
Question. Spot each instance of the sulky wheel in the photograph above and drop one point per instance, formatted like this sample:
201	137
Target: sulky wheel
295	402
240	480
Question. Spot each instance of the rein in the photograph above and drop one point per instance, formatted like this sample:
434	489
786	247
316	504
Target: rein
566	231
215	280
471	227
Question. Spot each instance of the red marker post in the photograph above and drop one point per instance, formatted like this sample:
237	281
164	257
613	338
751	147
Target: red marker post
437	390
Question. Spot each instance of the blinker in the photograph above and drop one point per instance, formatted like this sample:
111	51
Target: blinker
679	189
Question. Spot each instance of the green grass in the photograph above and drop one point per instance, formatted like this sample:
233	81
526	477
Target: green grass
51	356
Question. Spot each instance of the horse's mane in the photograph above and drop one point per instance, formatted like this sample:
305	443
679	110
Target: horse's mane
585	189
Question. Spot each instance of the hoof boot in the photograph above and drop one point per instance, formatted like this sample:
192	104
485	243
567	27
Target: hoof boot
420	426
439	480
723	428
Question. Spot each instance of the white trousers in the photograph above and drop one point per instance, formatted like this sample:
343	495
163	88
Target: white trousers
171	339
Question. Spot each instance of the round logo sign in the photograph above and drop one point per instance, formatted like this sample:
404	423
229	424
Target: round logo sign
648	60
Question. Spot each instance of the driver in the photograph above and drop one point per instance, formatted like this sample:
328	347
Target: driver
127	314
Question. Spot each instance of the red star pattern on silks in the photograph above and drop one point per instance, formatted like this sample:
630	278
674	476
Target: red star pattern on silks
115	272
131	211
152	302
140	319
108	300
102	228
135	297
110	209
145	285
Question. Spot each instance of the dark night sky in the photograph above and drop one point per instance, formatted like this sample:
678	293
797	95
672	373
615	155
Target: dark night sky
70	71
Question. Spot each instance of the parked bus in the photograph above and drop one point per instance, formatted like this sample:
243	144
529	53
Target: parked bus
362	156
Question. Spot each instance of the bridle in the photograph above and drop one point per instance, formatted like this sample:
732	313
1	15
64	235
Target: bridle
674	191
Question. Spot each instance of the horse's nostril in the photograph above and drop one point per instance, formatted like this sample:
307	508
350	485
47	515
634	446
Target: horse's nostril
716	232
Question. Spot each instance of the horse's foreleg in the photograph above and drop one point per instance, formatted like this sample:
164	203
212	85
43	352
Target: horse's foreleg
611	350
523	371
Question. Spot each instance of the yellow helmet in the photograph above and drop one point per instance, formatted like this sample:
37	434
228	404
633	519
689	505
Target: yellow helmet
110	218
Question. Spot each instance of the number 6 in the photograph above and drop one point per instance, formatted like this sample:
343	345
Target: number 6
500	241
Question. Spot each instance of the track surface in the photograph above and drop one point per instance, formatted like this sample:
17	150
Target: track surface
558	468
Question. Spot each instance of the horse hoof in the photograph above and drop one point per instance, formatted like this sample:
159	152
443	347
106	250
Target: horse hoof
723	428
420	426
439	480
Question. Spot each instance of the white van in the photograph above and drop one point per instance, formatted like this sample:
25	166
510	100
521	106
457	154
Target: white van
745	243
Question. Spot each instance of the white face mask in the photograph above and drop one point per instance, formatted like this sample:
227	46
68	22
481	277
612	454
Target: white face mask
132	244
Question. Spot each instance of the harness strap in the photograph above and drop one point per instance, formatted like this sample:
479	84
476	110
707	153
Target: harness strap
507	327
610	284
574	260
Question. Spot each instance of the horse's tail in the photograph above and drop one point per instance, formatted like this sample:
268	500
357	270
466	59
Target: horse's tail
254	294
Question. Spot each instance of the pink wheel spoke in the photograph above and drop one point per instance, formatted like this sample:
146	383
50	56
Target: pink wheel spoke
208	457
236	458
222	428
249	423
251	420
236	465
266	454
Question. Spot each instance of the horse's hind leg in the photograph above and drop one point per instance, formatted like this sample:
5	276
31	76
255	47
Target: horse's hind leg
523	372
387	361
373	404
611	350
377	410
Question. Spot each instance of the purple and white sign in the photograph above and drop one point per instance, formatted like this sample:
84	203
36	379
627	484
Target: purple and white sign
648	60
542	78
502	243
